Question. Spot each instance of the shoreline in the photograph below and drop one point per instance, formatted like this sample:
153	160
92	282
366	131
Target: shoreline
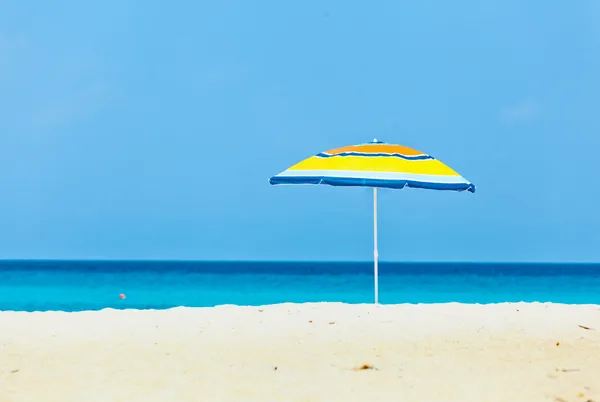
309	304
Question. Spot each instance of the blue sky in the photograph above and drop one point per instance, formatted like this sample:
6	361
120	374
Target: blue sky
137	130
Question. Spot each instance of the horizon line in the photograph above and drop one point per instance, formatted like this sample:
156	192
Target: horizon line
287	261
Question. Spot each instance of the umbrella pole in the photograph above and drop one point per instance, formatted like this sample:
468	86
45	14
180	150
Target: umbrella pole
375	252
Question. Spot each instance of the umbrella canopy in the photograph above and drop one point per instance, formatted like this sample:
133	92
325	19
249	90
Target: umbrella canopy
374	164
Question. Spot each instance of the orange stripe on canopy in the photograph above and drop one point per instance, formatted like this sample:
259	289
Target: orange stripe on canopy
377	148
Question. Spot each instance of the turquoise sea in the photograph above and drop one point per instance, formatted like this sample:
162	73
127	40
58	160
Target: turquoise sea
93	285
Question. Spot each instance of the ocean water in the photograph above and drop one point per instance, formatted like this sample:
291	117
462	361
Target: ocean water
94	285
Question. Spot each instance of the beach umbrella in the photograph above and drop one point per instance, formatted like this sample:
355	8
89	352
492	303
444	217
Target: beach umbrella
377	165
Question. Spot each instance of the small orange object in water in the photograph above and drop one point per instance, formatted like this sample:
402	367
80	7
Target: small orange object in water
122	296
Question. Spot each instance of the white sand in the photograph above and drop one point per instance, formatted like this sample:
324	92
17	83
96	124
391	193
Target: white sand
445	352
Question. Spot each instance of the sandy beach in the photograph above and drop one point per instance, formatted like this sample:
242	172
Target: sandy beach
305	352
